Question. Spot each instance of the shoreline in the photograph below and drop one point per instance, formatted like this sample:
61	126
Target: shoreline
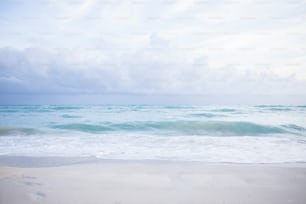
96	181
53	161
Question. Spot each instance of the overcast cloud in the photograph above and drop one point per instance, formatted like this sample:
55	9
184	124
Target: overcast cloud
153	47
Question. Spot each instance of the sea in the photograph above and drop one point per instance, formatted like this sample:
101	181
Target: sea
215	134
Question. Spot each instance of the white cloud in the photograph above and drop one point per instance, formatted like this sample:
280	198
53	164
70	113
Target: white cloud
180	6
154	47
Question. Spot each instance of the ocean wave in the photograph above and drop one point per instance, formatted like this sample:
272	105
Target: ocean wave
66	107
9	131
215	128
23	109
226	110
279	107
207	115
303	106
36	108
82	127
295	127
70	116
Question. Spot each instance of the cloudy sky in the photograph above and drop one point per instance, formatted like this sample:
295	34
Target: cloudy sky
152	51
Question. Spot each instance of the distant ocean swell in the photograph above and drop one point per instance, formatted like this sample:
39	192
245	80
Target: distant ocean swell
53	108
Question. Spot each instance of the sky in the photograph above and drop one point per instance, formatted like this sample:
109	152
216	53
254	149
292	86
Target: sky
153	51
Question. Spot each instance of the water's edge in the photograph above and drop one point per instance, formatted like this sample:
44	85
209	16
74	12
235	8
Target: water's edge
44	162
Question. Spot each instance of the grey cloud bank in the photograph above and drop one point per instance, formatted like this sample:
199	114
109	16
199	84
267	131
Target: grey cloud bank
36	76
36	71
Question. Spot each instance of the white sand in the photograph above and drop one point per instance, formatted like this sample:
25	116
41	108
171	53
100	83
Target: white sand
154	183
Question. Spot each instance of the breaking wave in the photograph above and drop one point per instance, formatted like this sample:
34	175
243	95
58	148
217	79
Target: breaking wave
215	128
8	131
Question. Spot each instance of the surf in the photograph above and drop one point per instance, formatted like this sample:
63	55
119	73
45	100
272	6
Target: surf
215	128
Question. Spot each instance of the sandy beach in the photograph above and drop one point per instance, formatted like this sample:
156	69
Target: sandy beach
45	180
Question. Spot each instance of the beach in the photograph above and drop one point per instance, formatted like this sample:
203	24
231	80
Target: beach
138	154
89	180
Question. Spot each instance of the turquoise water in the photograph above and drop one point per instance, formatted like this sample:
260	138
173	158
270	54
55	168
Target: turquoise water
242	134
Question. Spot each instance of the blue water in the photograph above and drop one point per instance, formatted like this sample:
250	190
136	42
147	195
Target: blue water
241	134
